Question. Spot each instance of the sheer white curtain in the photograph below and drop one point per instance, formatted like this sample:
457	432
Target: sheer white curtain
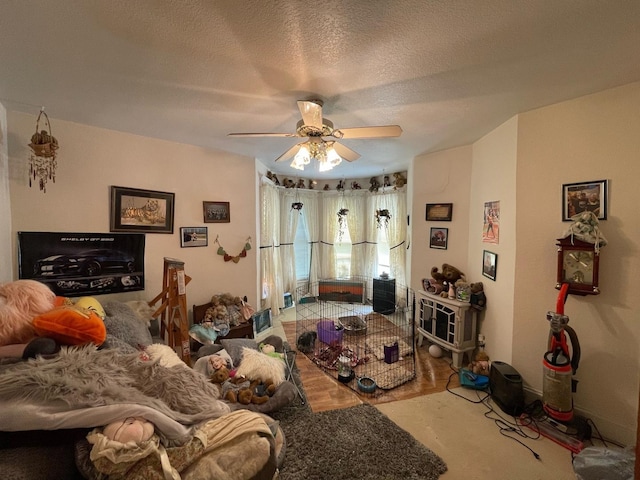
310	210
331	203
396	203
270	259
289	218
371	255
357	221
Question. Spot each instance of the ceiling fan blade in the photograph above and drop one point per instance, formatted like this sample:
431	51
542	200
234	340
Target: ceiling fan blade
311	113
289	153
381	131
262	134
345	152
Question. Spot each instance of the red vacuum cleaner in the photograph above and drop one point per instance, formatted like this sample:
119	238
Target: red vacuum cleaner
560	363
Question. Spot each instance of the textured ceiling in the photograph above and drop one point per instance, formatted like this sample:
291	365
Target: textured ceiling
192	71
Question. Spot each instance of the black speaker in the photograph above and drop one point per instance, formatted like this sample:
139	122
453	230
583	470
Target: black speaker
506	388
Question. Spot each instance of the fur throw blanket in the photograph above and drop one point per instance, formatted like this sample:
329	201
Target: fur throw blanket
88	377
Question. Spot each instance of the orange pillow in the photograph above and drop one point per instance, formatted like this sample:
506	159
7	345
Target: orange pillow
71	326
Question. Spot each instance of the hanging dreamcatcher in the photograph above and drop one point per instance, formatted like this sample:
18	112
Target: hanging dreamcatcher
236	258
382	217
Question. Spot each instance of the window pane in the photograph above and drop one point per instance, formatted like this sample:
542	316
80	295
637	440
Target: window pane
343	254
384	264
302	249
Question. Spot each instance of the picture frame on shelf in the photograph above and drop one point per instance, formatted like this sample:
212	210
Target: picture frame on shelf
438	238
439	212
137	210
584	196
489	264
216	212
194	237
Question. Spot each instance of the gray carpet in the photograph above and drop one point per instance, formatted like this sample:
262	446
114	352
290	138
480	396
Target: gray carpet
350	444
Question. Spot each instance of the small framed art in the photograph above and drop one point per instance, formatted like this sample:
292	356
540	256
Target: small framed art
489	264
193	237
216	212
439	212
146	211
438	238
584	197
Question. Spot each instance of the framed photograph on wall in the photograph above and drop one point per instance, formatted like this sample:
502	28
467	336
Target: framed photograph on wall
491	222
439	212
216	212
584	197
438	238
135	210
193	237
489	264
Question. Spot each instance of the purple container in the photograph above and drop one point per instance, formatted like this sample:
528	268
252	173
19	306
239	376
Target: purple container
327	332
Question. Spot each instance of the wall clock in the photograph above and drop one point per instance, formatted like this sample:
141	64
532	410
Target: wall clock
578	266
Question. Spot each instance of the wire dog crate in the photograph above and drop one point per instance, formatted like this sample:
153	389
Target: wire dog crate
339	329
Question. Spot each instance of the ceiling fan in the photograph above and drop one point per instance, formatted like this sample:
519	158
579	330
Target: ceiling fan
322	137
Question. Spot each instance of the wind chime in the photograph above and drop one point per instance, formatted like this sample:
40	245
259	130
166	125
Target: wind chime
297	204
230	258
42	158
342	218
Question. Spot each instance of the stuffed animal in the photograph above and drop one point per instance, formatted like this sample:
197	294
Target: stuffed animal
270	350
20	302
480	365
219	375
239	389
449	275
478	298
131	429
374	184
400	180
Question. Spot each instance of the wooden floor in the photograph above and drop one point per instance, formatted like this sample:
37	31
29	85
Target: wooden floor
325	393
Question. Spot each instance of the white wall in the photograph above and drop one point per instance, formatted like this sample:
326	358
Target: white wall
442	177
494	179
6	264
90	160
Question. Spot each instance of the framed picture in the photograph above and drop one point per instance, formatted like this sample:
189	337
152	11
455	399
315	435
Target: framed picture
261	321
584	197
193	237
439	212
135	210
216	212
489	264
438	238
491	222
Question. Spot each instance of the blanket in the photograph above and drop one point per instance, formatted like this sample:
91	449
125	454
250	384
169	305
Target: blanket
88	377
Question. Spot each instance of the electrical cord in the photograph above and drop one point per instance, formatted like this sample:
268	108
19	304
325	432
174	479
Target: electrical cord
505	427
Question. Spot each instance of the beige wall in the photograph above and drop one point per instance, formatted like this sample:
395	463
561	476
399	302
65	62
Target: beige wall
591	138
494	179
90	160
6	264
523	163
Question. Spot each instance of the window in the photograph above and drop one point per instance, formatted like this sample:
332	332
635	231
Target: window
384	262
342	247
302	249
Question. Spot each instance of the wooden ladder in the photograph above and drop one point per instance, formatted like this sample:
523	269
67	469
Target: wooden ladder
174	323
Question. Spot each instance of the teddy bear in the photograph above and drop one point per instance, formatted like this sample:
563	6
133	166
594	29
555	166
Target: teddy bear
449	276
480	364
374	184
238	389
399	180
478	298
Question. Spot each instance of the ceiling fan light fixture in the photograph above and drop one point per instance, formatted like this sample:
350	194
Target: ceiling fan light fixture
301	158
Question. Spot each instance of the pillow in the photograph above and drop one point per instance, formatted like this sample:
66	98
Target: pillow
122	323
256	365
234	347
71	326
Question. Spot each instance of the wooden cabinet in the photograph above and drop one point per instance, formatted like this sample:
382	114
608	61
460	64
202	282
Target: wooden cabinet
448	323
384	295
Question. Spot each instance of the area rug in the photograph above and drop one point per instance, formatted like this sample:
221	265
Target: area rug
352	443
